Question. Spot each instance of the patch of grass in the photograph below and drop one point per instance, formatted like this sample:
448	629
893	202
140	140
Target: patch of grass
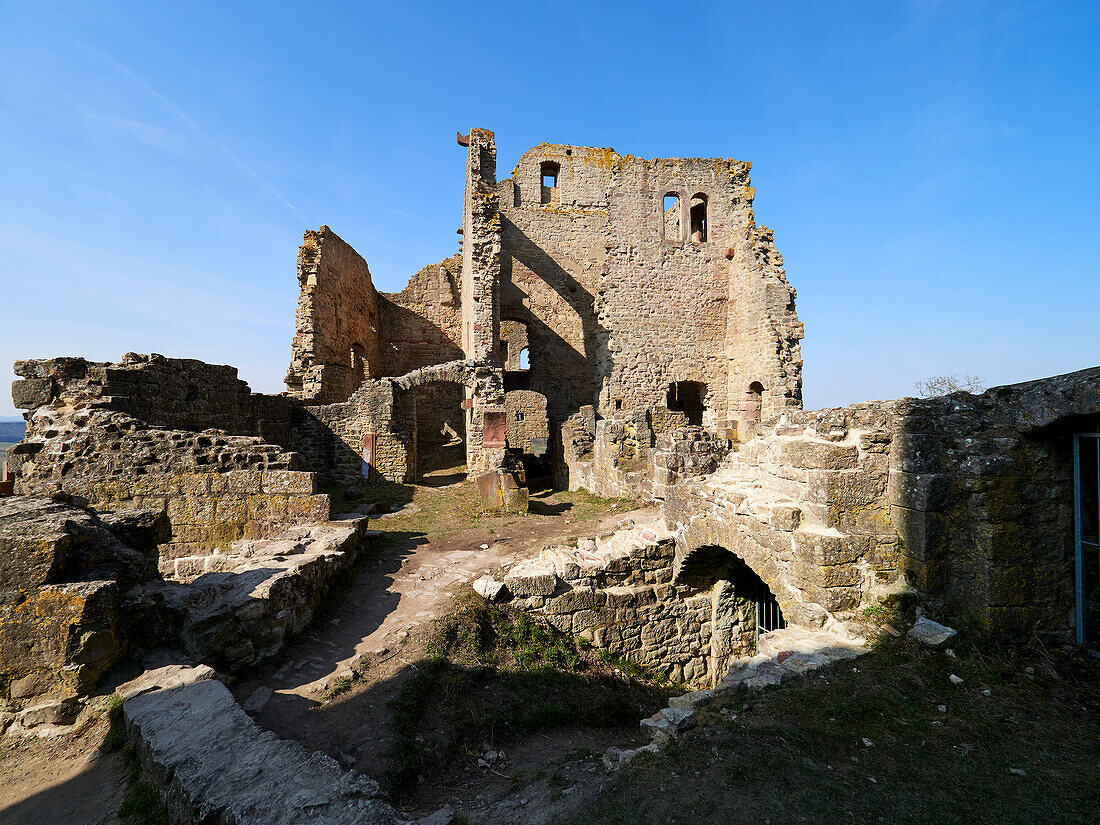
586	506
116	731
928	766
496	674
142	804
341	685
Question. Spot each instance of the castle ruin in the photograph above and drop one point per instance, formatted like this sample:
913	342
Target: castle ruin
620	324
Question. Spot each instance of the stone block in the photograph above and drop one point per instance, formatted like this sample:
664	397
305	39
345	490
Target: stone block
826	549
194	484
919	491
818	455
191	509
31	393
242	482
786	517
294	482
531	578
231	510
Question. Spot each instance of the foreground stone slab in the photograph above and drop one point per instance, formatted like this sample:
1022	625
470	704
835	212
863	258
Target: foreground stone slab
214	766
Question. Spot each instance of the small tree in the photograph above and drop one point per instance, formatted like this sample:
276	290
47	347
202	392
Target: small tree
946	384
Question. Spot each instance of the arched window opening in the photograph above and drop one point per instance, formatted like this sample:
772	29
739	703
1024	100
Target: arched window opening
525	359
753	402
358	364
549	172
687	397
670	207
699	218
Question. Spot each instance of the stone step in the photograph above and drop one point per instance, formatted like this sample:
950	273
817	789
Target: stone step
213	765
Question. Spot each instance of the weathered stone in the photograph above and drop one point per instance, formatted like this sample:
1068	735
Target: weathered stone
930	633
531	578
204	753
490	588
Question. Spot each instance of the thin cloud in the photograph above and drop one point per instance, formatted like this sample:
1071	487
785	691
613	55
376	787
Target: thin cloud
156	136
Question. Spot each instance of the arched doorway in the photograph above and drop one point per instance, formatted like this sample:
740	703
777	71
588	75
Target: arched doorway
742	604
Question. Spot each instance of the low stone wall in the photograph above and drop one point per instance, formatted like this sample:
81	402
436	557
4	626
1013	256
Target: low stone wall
237	607
213	765
616	591
63	572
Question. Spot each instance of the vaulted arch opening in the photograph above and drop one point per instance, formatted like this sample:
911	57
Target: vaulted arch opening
742	605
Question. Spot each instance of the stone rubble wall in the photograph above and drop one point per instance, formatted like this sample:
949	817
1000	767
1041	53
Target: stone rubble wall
334	285
63	572
85	440
967	498
616	309
762	333
980	494
616	591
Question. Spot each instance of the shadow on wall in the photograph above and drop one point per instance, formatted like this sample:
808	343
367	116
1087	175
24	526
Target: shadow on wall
558	370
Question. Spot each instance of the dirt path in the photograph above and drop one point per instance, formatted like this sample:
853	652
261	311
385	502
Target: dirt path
60	780
434	547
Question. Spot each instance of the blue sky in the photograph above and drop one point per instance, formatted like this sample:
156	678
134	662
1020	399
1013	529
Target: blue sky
931	169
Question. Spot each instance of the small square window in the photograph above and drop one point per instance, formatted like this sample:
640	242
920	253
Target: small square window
519	416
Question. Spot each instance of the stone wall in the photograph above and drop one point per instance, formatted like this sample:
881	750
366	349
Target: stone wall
139	434
527	428
370	436
616	591
618	309
63	572
967	498
614	308
421	326
336	343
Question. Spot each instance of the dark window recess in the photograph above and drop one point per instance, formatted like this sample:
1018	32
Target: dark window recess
699	218
687	397
519	416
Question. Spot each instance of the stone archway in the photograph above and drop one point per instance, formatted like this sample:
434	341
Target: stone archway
768	552
738	599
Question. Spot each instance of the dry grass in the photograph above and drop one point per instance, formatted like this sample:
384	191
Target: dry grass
796	753
495	674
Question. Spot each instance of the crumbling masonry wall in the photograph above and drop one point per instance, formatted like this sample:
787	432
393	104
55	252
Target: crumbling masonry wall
967	498
108	436
336	343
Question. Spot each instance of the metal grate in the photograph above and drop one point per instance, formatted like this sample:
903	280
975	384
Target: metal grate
769	616
1086	522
